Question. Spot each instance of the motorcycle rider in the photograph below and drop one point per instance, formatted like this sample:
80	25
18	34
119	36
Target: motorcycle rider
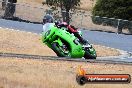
48	19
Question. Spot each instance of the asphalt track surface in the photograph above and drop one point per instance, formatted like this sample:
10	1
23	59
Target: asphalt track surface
118	41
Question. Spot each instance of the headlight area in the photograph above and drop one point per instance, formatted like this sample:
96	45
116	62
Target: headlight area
47	33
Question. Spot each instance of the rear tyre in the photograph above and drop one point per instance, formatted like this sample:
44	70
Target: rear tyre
59	50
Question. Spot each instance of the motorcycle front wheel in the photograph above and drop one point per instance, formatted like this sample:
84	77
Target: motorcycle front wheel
89	55
60	51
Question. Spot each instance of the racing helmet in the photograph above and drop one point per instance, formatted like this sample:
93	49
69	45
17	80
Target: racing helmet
48	19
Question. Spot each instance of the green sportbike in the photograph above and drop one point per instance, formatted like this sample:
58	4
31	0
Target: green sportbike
65	44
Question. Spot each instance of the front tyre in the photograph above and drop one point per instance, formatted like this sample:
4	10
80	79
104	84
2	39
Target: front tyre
60	51
90	53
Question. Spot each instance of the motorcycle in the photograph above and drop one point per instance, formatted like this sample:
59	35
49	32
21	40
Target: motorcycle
65	44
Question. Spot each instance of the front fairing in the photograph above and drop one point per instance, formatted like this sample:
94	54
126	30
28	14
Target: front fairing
54	34
47	28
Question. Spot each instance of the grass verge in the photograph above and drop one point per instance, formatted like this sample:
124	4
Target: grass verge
25	73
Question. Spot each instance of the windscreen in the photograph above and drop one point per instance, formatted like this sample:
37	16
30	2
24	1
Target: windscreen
47	27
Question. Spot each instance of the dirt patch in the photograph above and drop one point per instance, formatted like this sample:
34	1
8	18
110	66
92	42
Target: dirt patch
104	51
85	4
23	43
12	41
25	73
